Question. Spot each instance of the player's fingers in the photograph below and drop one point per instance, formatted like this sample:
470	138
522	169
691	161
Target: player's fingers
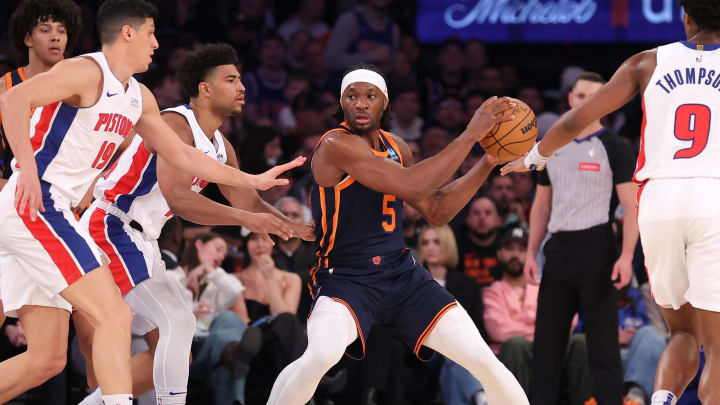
267	238
280	182
487	102
504	106
298	161
504	118
33	207
508	168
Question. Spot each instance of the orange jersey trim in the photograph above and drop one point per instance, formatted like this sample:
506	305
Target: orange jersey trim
331	243
394	145
430	327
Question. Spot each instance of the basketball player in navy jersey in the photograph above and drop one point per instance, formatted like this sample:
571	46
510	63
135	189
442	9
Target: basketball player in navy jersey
365	275
45	29
679	177
52	256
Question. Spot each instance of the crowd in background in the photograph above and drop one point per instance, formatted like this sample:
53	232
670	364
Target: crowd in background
292	64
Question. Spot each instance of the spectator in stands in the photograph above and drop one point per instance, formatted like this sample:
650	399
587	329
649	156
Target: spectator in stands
478	241
491	82
260	151
365	34
434	139
532	96
265	86
297	46
225	354
320	79
473	101
295	255
510	310
406	122
502	192
449	77
416	150
297	84
167	90
309	118
272	297
308	18
450	113
524	190
475	60
437	251
641	345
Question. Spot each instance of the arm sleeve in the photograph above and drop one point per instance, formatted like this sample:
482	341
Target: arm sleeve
621	156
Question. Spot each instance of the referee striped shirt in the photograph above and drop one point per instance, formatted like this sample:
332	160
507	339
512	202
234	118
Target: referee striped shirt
583	175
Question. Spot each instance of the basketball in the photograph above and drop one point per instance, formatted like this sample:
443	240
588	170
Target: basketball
512	139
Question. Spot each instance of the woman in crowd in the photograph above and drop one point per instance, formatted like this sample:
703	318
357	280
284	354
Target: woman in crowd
227	344
271	298
438	252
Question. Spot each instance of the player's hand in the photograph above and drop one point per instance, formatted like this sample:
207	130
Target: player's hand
265	224
517	165
304	230
625	335
28	194
488	115
531	271
16	335
622	272
269	179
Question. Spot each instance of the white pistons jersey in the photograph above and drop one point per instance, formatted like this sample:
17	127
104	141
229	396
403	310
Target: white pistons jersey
132	183
73	145
681	125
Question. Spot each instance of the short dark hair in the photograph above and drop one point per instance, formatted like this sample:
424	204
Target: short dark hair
114	14
705	13
30	13
272	36
198	64
308	100
387	114
589	77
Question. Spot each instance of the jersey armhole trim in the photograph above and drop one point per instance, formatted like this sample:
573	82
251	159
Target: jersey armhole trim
102	82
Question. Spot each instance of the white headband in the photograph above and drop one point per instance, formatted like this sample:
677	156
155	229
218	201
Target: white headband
366	76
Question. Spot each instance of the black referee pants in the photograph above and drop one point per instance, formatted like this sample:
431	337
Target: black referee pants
576	276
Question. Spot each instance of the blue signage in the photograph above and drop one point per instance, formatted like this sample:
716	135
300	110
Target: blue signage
550	20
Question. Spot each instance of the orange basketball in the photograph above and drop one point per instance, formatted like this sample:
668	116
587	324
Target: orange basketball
512	139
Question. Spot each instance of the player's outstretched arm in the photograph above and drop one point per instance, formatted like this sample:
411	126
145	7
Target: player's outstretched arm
194	207
624	84
248	199
162	140
351	155
441	206
74	81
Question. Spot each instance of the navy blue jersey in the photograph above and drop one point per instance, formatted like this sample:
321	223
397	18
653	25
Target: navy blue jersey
13	78
353	222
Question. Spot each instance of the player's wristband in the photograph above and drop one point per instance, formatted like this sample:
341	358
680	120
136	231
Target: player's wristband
534	160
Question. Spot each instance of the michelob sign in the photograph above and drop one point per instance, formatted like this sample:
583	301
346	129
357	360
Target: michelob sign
550	20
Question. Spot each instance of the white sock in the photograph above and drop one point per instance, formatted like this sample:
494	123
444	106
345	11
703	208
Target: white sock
170	396
95	398
663	397
118	399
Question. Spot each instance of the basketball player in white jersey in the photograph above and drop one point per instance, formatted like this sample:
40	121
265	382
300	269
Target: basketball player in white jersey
679	175
150	194
86	106
45	30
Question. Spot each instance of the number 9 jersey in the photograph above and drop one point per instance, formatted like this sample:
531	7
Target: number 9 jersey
681	126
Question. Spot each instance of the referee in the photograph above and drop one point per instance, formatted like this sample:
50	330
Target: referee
575	200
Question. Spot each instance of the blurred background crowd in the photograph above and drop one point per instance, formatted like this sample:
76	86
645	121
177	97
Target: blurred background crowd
292	58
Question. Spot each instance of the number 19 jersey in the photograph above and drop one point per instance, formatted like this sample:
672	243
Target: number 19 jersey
681	125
